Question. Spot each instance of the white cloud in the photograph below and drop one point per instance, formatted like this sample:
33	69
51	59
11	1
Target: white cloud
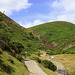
66	17
68	5
67	9
30	24
9	5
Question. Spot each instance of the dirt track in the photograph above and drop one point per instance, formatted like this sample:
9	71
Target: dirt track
33	68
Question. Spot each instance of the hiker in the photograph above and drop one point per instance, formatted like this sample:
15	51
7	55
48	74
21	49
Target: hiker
49	57
52	57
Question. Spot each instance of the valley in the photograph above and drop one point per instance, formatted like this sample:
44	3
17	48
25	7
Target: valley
36	44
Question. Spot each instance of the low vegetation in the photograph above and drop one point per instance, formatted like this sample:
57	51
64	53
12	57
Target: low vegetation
60	34
46	63
9	65
15	42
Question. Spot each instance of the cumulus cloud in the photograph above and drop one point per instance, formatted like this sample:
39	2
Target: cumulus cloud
68	5
9	5
30	24
67	9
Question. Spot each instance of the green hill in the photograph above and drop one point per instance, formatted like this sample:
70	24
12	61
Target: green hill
9	65
60	34
15	42
19	34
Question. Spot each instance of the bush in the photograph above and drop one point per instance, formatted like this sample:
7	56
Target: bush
19	57
39	54
10	59
2	25
51	53
39	60
28	45
48	64
5	37
2	17
17	46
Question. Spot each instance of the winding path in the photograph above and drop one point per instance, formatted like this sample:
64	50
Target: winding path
60	68
33	68
58	64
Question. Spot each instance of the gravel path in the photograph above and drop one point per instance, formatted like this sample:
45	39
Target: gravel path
60	68
33	68
58	64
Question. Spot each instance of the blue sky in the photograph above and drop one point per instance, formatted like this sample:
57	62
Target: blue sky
29	13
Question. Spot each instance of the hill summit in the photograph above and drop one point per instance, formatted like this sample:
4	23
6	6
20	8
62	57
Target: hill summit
60	34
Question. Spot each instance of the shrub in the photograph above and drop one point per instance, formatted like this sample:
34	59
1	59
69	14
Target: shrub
4	36
51	53
49	65
6	68
2	17
17	46
39	54
28	45
2	25
19	57
39	60
10	59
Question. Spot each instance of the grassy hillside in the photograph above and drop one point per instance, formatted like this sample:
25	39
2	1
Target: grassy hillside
60	34
15	42
19	34
55	31
11	68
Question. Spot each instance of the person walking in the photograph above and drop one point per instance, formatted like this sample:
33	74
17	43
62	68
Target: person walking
52	57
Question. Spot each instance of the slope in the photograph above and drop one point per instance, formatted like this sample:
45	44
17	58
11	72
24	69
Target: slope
60	34
19	34
9	65
15	42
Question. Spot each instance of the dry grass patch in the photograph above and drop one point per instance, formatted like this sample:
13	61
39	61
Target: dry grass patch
68	61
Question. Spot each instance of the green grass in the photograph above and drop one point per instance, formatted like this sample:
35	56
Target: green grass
19	34
55	31
60	32
73	73
18	67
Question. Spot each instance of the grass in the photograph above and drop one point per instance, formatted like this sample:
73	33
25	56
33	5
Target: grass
68	60
18	67
60	32
55	31
18	33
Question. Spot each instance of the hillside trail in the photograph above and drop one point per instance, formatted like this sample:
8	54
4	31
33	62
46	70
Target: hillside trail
58	64
60	67
33	68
